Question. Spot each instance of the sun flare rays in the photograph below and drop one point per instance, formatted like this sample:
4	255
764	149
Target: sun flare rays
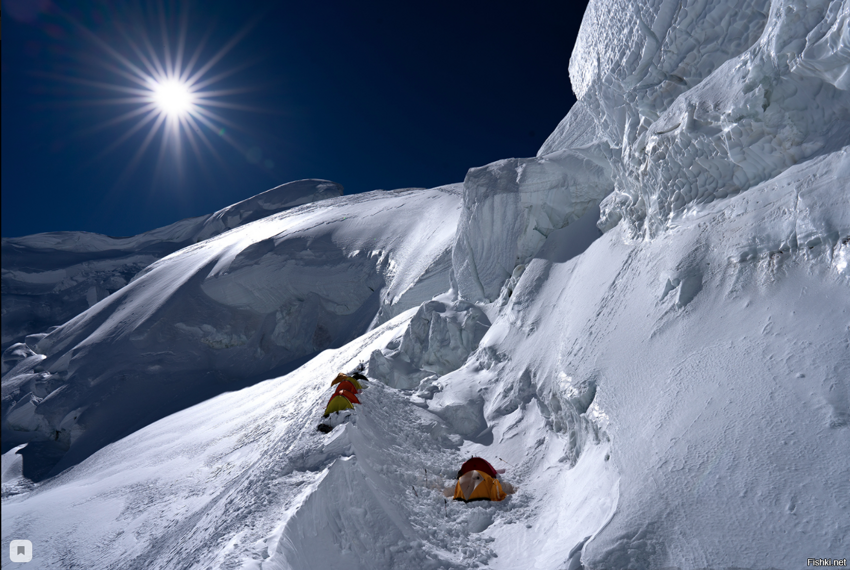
167	93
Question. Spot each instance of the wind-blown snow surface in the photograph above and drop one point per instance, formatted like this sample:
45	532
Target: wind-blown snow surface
220	314
49	278
672	394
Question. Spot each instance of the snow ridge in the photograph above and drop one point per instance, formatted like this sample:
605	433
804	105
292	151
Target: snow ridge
224	313
49	278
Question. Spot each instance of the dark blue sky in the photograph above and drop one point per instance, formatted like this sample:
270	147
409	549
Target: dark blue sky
368	94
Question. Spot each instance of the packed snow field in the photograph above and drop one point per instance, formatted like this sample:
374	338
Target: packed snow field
671	393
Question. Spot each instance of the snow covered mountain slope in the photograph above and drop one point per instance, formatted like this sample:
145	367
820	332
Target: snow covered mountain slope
223	313
245	481
718	359
673	393
630	408
724	381
49	278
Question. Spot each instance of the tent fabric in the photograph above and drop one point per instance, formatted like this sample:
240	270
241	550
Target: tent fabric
478	486
343	378
337	404
346	385
345	394
478	464
358	376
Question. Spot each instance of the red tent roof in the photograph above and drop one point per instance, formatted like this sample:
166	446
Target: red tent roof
477	464
347	395
346	385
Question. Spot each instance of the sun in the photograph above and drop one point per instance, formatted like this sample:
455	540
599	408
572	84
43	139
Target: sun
173	97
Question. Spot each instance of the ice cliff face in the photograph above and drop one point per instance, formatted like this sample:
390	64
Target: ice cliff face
511	207
700	101
49	278
631	65
680	104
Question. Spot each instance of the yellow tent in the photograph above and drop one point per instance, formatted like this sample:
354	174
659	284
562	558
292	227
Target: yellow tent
337	404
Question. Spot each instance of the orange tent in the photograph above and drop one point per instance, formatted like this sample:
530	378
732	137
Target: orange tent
478	486
343	378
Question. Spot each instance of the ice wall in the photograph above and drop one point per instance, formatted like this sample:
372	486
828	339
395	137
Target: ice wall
700	101
438	340
721	133
511	206
679	104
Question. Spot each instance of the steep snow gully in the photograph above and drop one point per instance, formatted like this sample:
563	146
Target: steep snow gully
671	393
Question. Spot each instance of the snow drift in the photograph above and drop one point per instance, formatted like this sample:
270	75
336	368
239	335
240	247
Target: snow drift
672	393
49	278
223	313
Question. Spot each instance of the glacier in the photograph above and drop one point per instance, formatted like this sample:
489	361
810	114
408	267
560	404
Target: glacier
647	325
